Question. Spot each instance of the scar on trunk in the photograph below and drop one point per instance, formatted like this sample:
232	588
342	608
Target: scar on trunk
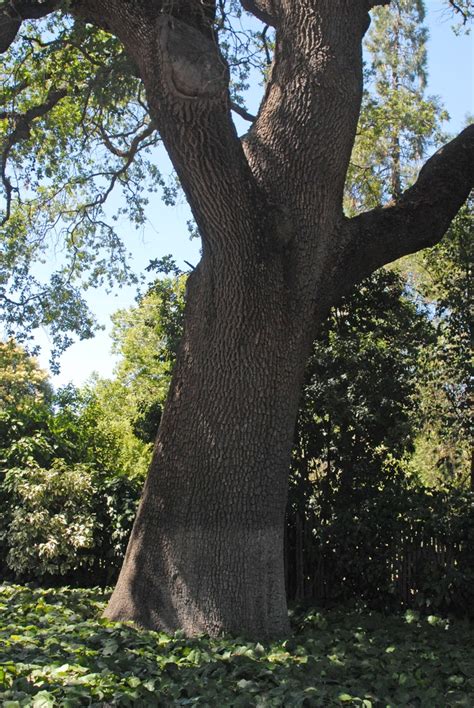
193	69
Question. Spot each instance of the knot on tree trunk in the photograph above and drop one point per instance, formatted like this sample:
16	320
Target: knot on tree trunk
192	66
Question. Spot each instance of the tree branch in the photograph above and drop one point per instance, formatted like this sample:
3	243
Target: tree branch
261	9
242	112
187	86
13	12
21	131
292	121
465	8
420	218
129	154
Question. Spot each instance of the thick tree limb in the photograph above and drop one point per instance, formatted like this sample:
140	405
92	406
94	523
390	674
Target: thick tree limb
313	90
199	14
420	217
13	13
9	27
186	81
261	9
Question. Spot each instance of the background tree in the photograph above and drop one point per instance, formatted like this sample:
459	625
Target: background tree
357	422
205	554
147	338
443	277
398	123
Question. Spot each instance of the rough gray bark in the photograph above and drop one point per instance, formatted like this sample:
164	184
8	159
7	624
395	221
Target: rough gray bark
206	550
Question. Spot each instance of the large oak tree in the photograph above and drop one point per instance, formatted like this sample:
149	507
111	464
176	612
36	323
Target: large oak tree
205	553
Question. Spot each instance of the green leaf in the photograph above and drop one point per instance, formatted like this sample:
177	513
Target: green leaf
43	699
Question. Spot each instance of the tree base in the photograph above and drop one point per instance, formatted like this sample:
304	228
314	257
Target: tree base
204	581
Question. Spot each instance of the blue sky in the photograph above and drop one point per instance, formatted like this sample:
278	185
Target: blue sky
451	76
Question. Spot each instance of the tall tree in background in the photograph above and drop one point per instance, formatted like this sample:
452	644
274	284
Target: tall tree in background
398	122
205	554
398	46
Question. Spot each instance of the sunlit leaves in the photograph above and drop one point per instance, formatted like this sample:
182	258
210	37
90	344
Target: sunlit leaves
22	382
66	502
146	337
50	524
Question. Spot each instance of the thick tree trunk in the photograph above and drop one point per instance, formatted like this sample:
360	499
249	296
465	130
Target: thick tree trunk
206	553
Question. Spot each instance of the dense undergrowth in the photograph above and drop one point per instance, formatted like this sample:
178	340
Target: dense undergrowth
56	651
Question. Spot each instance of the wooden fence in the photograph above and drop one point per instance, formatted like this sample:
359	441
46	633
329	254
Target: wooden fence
407	567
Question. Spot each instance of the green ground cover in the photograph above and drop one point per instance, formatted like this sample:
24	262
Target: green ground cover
56	651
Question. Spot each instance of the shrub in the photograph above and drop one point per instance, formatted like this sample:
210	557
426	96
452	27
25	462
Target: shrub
51	529
67	520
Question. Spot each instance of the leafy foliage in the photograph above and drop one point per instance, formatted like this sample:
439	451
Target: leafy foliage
51	523
358	394
130	404
74	127
147	338
66	504
78	157
391	544
55	652
359	525
66	520
444	279
22	382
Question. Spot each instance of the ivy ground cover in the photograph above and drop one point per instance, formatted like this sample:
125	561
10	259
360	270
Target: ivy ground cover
55	650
